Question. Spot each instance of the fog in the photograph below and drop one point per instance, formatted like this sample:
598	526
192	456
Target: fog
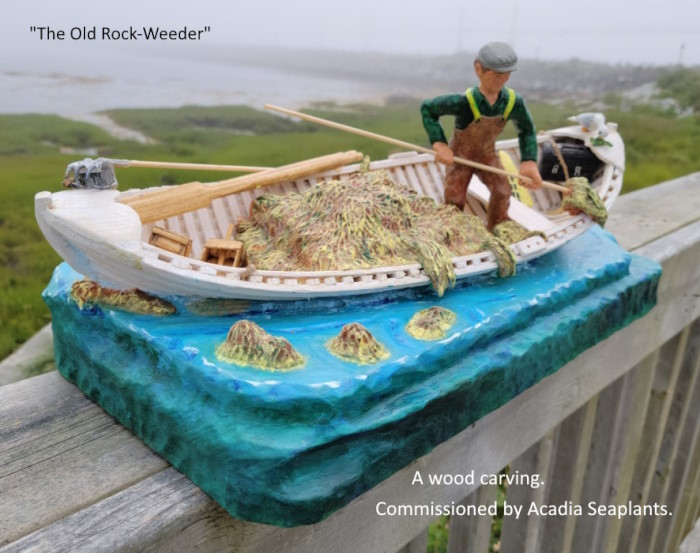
296	52
598	30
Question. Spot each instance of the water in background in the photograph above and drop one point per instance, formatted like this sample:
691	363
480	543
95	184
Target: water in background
76	81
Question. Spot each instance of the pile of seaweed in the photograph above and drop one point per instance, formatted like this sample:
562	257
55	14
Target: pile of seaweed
363	221
584	198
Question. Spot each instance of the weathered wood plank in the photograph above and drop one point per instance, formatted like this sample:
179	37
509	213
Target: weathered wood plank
619	431
691	544
523	535
696	516
566	481
603	454
688	497
665	378
33	357
59	452
417	545
679	289
680	507
679	440
691	498
166	504
640	382
646	215
472	534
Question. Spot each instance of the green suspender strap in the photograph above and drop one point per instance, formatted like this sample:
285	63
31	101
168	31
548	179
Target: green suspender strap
477	113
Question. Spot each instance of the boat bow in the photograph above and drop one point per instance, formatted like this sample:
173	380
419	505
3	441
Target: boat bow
89	228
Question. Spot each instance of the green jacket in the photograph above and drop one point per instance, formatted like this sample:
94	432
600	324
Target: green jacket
458	105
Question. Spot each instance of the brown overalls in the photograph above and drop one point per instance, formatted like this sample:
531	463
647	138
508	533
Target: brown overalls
478	143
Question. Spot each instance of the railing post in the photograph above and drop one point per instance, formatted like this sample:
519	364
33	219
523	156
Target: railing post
472	534
640	381
524	535
417	545
667	372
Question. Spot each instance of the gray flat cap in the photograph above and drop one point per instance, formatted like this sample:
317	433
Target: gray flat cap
498	56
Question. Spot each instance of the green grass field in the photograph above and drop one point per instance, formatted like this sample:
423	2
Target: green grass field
660	146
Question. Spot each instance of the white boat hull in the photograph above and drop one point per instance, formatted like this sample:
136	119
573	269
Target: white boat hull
105	241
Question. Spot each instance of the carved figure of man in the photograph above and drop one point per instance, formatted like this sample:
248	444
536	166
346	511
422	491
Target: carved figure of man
480	116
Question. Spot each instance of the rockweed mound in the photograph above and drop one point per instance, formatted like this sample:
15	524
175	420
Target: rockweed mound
364	221
431	324
356	344
133	301
248	344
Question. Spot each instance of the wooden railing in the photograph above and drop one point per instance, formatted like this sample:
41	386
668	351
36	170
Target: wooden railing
619	423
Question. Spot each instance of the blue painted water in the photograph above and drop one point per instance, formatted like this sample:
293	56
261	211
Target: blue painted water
304	442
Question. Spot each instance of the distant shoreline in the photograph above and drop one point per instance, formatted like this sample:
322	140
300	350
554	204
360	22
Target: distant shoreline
88	82
79	92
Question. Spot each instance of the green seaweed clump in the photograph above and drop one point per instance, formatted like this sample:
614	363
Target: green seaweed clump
511	232
584	198
356	344
248	344
134	300
431	324
364	221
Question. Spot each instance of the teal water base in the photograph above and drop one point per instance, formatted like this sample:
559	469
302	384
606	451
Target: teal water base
290	448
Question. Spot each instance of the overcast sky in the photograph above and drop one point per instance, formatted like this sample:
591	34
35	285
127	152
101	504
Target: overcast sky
602	30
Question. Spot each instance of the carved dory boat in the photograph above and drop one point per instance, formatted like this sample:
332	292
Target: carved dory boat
106	241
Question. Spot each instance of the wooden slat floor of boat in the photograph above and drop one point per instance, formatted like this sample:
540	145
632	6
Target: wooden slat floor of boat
220	216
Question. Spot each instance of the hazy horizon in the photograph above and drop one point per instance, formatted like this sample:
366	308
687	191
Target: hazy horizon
596	30
78	76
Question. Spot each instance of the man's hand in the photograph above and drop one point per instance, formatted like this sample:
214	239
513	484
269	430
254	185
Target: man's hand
443	153
529	169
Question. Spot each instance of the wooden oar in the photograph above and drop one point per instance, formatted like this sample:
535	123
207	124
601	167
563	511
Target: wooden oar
167	202
408	145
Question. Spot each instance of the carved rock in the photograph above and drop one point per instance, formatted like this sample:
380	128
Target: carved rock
248	344
87	292
431	324
356	344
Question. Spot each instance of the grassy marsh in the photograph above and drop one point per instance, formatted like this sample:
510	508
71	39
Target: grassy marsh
660	146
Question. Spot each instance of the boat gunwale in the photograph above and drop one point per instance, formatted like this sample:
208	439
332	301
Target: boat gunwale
268	284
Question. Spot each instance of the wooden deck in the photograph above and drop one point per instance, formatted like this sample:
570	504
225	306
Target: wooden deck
621	422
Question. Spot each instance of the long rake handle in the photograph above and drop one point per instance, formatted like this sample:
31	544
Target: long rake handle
191	166
407	145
